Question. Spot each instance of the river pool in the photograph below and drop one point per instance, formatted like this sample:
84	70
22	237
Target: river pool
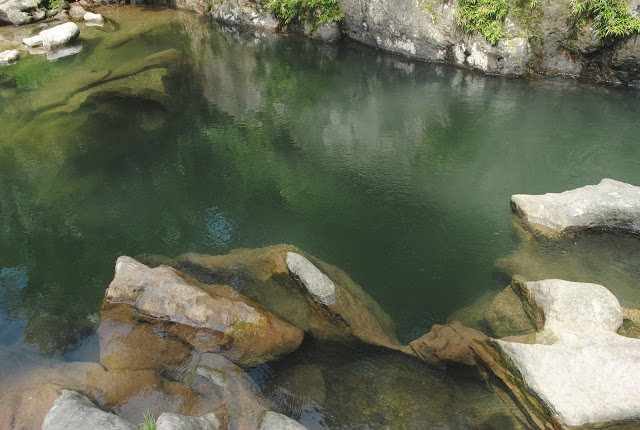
397	172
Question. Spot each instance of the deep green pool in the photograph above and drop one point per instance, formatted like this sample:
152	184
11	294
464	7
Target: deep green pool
397	172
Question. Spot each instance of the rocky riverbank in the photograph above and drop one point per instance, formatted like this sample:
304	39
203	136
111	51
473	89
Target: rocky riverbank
537	38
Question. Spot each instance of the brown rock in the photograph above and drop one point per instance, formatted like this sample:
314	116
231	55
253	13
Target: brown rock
446	344
209	318
263	275
26	410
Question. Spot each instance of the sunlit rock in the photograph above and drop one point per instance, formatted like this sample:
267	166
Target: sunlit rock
169	421
19	12
59	35
73	411
9	56
321	288
578	367
275	421
211	318
610	205
93	19
264	276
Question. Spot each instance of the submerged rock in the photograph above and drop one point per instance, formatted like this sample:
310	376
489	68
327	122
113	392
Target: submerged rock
211	318
73	411
610	205
578	367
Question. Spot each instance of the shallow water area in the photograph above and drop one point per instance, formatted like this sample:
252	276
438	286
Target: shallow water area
168	134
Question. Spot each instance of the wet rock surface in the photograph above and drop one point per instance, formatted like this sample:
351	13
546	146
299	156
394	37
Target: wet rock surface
610	205
210	318
446	344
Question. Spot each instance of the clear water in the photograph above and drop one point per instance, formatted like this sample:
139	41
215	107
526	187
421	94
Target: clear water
397	172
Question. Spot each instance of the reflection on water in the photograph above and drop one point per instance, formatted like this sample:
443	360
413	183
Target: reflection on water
398	173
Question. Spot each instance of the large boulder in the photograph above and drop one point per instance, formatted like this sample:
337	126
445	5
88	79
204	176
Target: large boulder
610	205
18	12
54	37
302	290
275	421
73	411
577	367
209	318
446	344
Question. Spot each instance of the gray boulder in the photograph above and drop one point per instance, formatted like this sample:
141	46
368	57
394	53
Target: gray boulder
169	421
578	366
275	421
610	205
77	12
73	411
18	12
9	57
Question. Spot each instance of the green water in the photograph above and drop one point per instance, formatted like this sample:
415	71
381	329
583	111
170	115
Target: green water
397	172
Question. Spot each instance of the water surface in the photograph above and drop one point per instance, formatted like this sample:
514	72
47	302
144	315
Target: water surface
397	172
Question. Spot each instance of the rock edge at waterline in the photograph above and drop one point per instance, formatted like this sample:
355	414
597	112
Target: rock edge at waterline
609	205
577	369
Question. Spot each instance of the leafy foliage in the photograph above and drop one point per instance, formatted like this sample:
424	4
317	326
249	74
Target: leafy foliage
484	16
610	17
317	12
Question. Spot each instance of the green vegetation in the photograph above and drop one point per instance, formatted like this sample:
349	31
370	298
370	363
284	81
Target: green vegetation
484	16
611	18
316	12
148	422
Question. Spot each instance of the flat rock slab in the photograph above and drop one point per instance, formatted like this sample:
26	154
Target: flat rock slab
581	369
610	205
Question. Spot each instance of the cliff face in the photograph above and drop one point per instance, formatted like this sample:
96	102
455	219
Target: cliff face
541	40
538	36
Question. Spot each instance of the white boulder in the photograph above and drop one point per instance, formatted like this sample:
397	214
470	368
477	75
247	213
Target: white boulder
610	205
59	35
10	56
581	369
93	19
